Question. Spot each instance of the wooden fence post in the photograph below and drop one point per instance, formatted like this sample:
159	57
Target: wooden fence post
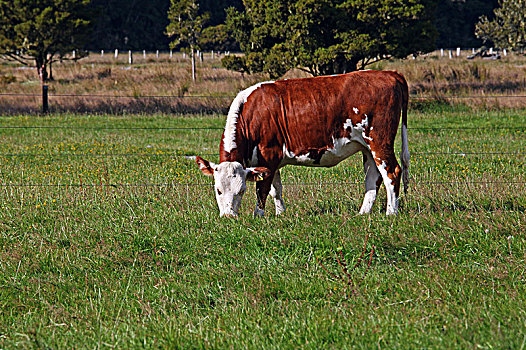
45	104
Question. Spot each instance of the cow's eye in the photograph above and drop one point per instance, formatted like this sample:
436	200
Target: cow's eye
219	192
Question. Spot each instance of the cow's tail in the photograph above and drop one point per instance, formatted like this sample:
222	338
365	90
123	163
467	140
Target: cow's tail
405	149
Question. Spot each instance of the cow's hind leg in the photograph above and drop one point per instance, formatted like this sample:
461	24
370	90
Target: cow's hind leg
276	192
391	174
373	179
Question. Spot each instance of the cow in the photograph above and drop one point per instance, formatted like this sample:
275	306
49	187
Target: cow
317	121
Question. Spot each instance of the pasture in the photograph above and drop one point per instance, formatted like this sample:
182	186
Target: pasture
129	250
110	238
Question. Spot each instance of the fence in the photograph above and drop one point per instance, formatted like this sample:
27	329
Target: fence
104	103
190	156
225	99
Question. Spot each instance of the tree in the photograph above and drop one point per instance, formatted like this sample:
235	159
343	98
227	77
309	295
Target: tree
186	26
217	38
328	36
129	24
455	21
508	29
216	9
42	32
141	24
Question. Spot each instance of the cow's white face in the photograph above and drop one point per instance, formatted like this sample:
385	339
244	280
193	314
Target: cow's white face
230	186
230	183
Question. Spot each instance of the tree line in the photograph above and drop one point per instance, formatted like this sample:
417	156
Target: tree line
318	36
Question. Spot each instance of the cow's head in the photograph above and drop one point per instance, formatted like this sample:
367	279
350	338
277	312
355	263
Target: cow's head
230	182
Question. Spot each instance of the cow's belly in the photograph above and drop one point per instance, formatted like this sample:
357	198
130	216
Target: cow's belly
342	149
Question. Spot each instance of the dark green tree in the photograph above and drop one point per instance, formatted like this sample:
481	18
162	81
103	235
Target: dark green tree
328	36
129	25
217	38
455	21
508	29
141	24
217	9
186	26
38	33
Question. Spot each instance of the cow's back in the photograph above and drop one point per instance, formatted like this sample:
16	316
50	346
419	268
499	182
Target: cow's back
305	115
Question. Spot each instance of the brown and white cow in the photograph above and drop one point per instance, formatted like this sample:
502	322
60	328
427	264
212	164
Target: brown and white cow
316	121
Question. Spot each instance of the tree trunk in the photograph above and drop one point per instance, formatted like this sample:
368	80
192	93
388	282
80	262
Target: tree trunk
41	68
50	71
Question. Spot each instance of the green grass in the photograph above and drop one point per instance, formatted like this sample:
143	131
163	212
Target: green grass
150	264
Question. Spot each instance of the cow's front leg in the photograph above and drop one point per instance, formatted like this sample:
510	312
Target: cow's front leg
276	192
262	191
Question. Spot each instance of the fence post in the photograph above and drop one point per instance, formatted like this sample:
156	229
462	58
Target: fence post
45	104
130	57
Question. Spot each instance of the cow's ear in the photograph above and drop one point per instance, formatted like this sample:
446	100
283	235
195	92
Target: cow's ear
206	167
257	174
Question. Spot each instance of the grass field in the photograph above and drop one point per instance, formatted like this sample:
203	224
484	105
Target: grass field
110	237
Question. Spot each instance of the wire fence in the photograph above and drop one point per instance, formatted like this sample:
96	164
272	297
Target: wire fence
212	128
437	128
95	96
105	96
192	156
292	184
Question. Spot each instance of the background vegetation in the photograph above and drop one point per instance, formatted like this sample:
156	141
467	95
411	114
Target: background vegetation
332	36
140	24
109	85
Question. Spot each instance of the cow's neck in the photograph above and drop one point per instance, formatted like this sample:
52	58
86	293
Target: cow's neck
239	152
